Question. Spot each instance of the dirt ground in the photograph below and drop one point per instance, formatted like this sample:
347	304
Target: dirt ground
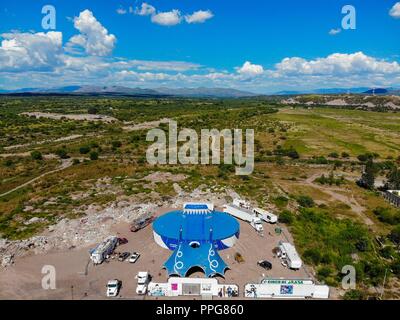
77	278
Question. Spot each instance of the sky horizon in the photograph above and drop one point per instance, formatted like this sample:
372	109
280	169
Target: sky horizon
258	46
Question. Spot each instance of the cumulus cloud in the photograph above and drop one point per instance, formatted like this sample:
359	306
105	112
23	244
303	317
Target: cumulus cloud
337	64
199	16
145	10
30	51
334	32
395	11
169	18
93	37
173	17
250	69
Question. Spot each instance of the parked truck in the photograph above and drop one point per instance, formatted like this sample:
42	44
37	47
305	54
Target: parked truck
103	250
265	215
290	256
245	215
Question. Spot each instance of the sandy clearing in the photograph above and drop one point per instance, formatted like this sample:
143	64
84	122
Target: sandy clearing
79	117
145	125
22	280
68	138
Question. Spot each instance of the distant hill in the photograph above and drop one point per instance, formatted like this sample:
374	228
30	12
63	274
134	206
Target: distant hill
356	90
120	90
326	91
377	91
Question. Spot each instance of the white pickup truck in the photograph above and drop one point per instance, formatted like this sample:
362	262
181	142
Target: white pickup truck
113	287
143	279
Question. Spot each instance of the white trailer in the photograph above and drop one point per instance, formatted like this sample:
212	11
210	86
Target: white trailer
241	203
286	288
265	215
245	215
104	249
290	255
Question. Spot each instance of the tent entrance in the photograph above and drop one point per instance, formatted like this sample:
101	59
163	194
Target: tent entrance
191	289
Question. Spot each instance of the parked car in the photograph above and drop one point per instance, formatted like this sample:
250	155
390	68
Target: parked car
143	279
123	256
122	241
265	264
142	223
134	257
113	287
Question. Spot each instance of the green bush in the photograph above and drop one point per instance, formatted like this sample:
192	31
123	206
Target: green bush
94	155
313	256
36	155
280	201
84	150
324	272
387	215
354	295
62	153
394	235
305	201
116	144
286	217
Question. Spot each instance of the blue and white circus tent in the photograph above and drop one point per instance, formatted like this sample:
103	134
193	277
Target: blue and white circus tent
195	235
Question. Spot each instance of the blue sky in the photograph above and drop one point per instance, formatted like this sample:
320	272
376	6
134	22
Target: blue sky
257	45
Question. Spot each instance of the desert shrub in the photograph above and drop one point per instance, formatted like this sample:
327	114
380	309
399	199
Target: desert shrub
387	215
305	201
62	153
94	155
394	235
354	295
280	201
36	155
286	217
84	150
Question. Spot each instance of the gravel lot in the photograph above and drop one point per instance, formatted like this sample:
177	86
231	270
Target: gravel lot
77	278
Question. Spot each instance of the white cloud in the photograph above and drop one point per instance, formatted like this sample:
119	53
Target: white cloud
395	11
30	51
93	37
169	18
121	11
145	10
199	16
334	32
337	64
250	69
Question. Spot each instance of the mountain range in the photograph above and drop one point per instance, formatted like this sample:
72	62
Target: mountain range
120	90
200	92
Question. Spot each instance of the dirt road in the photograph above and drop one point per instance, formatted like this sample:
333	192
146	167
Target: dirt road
65	163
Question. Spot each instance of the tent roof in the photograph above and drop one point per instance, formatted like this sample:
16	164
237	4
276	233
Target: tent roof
186	257
191	227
